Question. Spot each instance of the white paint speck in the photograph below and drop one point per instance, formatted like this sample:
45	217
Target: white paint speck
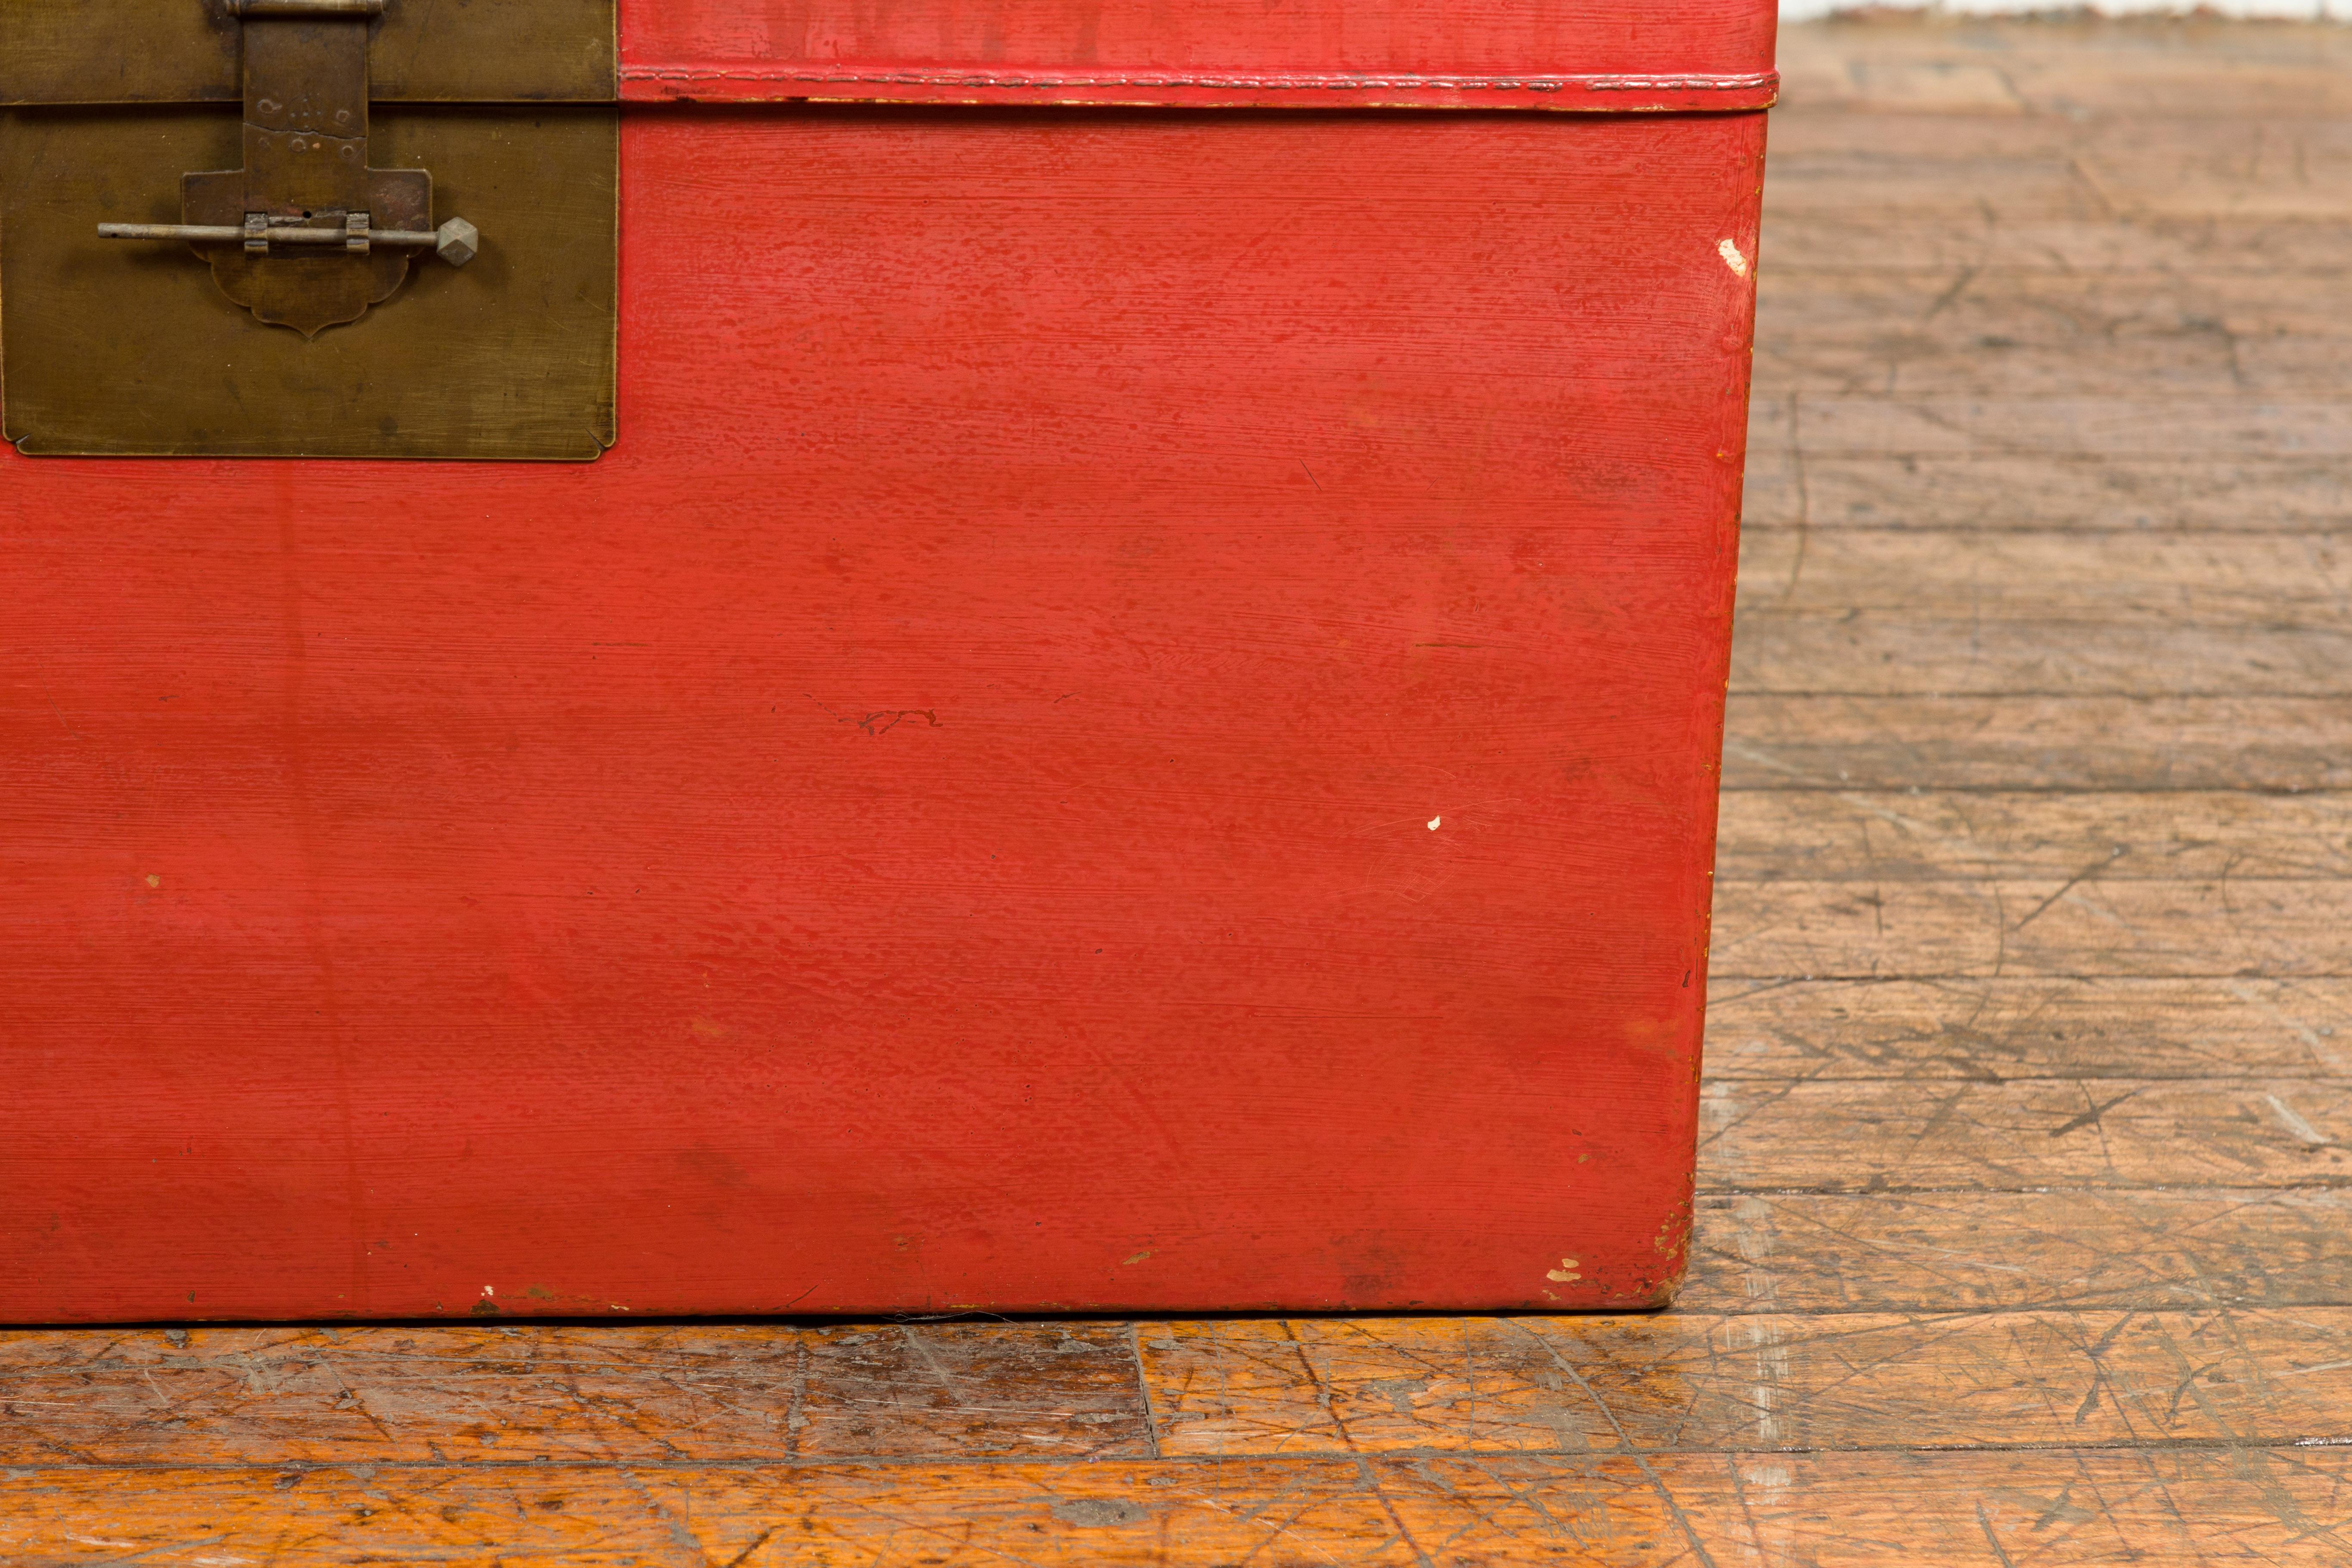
1563	1274
1433	822
488	1291
1732	258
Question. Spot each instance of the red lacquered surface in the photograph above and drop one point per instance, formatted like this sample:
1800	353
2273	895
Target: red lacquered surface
1132	722
1611	56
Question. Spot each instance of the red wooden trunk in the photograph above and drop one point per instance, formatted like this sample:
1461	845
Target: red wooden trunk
1132	722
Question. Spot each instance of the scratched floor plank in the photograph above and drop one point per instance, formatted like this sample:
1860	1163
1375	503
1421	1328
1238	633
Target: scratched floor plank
1889	653
1680	1381
1955	235
2010	1027
1978	1251
2186	68
612	1394
1466	1511
2141	424
2081	924
2132	168
2021	1134
1789	486
1689	1381
1981	330
2036	740
2002	578
2275	1506
1882	835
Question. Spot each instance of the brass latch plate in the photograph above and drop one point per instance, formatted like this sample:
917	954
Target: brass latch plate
115	349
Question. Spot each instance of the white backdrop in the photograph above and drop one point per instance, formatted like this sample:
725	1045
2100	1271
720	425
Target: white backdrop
2307	10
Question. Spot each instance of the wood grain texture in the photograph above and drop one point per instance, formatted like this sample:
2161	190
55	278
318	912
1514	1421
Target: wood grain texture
1749	1383
2153	167
1960	235
2035	601
2126	742
1886	653
674	1394
2013	581
1685	1381
1586	1511
1894	836
1788	488
2127	423
1978	1251
1879	1135
2075	925
2074	1508
1958	72
1978	329
2010	1027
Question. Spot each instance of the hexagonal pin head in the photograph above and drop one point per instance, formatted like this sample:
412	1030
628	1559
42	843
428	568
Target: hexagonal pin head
459	242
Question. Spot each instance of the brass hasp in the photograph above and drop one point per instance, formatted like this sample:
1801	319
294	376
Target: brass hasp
306	234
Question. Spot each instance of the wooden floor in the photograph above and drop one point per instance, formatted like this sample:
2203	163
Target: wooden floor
2026	1234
